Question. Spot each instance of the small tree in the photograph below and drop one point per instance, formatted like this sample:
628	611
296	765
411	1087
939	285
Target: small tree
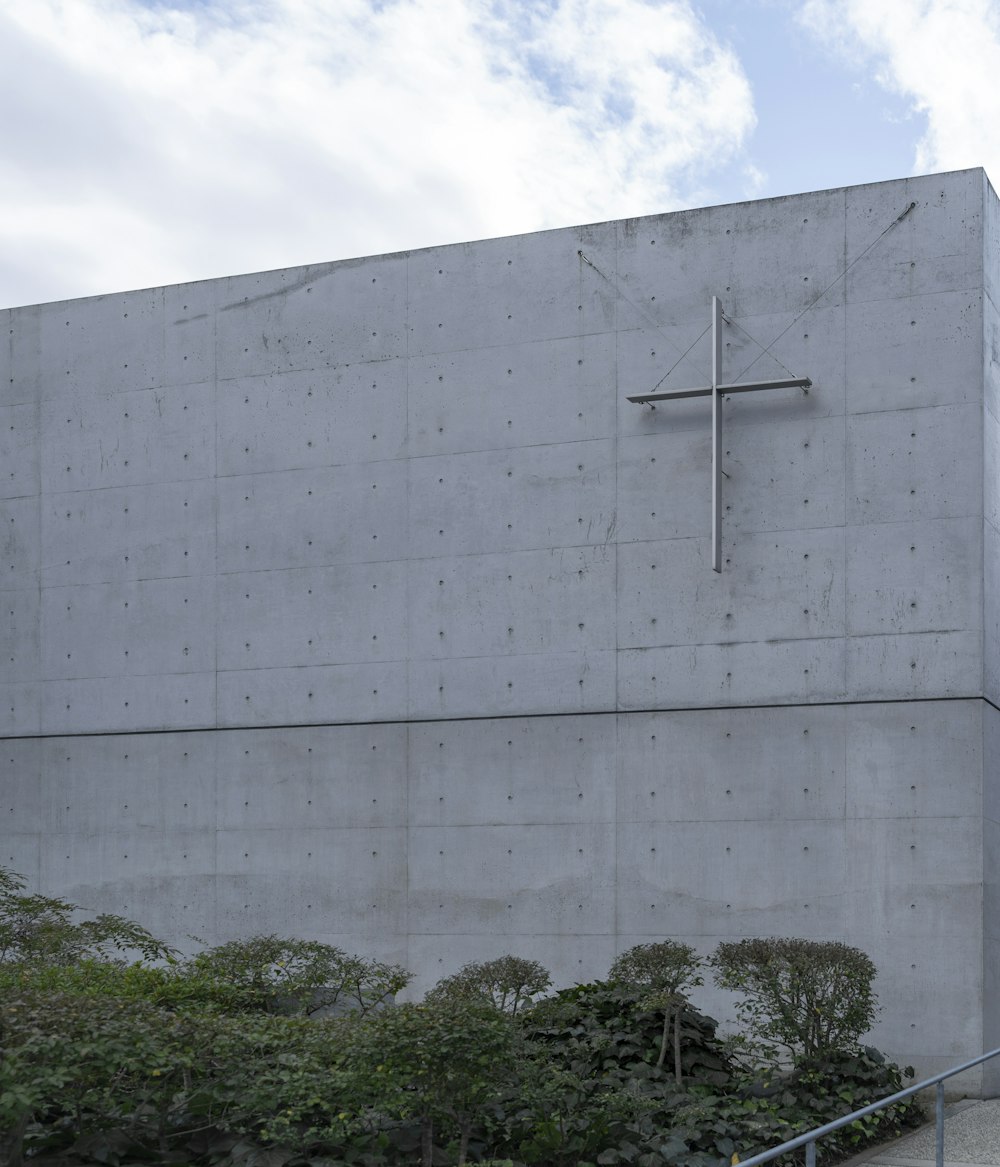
664	972
437	1062
810	997
40	930
509	983
273	974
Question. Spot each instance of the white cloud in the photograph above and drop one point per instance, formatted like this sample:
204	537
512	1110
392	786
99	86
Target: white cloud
154	144
942	55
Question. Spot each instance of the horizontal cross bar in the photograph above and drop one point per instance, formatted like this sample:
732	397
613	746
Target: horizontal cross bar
706	390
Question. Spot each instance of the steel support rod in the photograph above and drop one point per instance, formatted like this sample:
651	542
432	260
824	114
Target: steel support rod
716	435
735	387
811	1154
939	1125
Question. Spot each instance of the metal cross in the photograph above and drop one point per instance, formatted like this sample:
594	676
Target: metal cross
715	391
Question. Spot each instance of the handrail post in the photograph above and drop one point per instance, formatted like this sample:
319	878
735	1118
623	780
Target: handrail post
939	1125
811	1154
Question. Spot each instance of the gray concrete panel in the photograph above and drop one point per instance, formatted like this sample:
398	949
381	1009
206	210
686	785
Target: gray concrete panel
21	852
25	373
728	251
783	585
766	672
664	486
914	351
6	345
127	703
907	914
991	762
914	464
937	247
302	880
152	531
189	312
991	358
22	799
512	685
20	449
311	317
912	1028
991	468
519	603
790	476
761	345
991	552
914	576
732	766
301	694
484	773
921	664
911	853
321	515
334	776
106	868
311	616
19	634
514	879
105	345
131	436
140	628
697	878
20	551
316	417
512	290
511	500
915	760
550	391
783	474
991	241
991	879
127	783
20	707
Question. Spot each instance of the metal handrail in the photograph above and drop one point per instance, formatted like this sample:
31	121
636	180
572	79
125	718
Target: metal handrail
810	1138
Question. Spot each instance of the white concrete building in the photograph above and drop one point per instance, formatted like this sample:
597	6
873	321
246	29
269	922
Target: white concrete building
357	602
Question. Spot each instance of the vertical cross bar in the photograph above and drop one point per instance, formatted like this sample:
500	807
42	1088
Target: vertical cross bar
716	434
939	1125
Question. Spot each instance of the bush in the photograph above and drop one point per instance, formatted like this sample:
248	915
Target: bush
439	1063
663	972
809	997
509	983
605	1028
37	930
272	974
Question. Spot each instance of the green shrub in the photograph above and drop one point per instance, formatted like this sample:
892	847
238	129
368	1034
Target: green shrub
273	974
509	983
37	930
809	997
439	1063
606	1030
664	972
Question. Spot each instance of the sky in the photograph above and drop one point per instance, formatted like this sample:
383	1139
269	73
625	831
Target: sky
149	142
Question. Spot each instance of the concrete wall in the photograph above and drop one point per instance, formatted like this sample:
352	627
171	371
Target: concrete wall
356	601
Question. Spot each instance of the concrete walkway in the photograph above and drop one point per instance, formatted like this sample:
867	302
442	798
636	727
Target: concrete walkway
971	1139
